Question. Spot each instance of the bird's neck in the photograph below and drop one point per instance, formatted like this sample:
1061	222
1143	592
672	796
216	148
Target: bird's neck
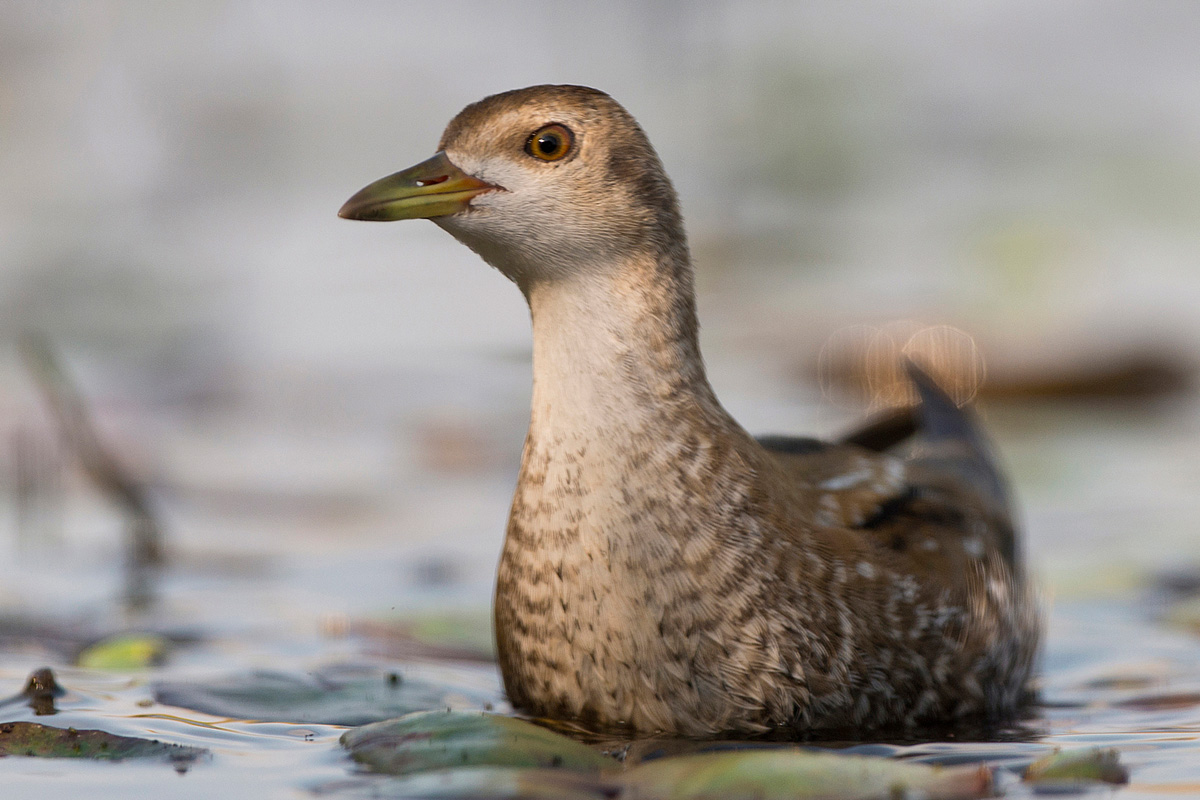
616	350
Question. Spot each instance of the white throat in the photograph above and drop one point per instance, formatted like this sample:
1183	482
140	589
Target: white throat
608	358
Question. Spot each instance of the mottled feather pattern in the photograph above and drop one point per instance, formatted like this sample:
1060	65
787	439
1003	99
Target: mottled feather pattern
663	571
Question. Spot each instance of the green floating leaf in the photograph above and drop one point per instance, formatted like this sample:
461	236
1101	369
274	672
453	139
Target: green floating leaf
475	755
440	740
346	696
769	774
42	741
1069	767
126	651
483	783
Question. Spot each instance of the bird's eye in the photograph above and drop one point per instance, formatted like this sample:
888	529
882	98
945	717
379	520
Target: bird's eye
550	143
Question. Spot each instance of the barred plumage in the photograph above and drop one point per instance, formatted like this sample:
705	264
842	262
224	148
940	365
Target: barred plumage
663	571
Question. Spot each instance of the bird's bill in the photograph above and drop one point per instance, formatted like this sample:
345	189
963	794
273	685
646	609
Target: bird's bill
433	188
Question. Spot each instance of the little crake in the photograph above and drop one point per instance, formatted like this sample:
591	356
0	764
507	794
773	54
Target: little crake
663	570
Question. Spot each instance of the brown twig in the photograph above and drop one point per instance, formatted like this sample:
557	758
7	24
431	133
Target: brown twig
101	466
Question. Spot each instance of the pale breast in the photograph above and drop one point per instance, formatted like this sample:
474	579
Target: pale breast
676	597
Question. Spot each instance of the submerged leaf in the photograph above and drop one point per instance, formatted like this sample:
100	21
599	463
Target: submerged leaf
334	698
767	774
438	740
42	741
1068	767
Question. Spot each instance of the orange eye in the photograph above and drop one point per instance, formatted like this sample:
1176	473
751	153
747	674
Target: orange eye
550	143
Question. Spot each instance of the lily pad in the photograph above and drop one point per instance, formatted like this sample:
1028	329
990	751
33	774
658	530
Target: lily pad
482	783
463	755
126	651
769	774
43	741
439	740
346	697
1068	768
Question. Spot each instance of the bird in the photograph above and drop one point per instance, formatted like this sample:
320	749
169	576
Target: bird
664	572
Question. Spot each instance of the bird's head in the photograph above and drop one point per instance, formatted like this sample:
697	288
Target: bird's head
543	183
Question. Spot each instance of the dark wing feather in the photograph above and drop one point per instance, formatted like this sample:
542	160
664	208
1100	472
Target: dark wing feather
945	452
793	445
885	430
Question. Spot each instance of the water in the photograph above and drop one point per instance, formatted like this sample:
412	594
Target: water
1121	666
1143	699
329	415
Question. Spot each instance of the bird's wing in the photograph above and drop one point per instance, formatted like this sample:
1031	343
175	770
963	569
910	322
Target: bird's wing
928	460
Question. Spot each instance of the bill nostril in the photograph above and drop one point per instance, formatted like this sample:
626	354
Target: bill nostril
433	181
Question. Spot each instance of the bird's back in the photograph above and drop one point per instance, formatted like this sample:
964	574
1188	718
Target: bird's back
940	619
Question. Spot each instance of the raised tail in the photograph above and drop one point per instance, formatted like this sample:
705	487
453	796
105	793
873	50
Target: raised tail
950	438
945	446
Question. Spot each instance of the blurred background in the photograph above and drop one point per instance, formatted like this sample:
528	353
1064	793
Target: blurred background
326	417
